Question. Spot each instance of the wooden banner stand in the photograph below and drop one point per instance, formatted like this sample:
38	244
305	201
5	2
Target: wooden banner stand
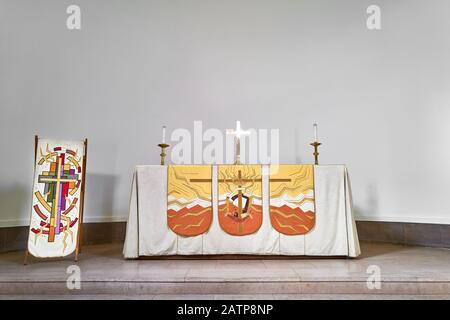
83	185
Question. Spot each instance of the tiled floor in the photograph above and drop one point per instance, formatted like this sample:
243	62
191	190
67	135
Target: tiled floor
406	272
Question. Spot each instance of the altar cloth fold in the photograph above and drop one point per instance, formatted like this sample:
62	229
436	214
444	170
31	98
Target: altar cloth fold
334	232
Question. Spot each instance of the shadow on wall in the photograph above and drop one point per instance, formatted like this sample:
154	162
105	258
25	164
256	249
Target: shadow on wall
99	197
370	205
14	202
298	158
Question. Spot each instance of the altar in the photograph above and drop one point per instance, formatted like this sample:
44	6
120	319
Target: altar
152	228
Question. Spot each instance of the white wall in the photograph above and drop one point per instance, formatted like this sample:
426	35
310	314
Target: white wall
382	98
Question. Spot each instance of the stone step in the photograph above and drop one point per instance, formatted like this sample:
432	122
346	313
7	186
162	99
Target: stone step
211	287
281	296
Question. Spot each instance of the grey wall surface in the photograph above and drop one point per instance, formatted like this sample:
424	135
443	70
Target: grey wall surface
381	98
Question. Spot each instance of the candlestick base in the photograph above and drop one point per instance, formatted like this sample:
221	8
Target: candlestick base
163	147
316	145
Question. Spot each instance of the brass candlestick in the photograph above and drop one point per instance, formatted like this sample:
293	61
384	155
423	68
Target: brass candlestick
163	147
316	152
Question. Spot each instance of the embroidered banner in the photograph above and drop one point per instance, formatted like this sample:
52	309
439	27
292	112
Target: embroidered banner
292	210
189	208
240	198
57	189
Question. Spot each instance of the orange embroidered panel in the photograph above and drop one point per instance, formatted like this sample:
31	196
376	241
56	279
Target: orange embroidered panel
240	198
292	207
189	207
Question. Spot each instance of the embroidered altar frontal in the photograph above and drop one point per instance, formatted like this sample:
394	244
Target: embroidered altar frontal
292	209
57	188
240	199
189	208
332	234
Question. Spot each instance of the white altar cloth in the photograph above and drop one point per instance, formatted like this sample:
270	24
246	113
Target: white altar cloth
334	234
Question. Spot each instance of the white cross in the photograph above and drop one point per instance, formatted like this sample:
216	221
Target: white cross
238	133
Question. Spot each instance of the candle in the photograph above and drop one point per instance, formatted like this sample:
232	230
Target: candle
164	134
315	132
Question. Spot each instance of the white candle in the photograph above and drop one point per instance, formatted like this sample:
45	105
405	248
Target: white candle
164	134
315	132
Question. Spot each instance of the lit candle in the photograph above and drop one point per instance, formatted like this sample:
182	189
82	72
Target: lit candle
315	132
164	134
